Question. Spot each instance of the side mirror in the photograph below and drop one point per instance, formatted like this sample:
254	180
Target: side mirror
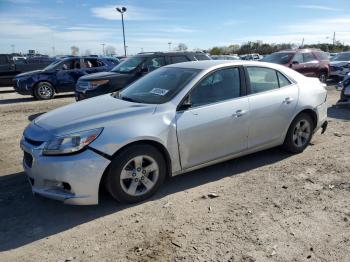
186	104
295	62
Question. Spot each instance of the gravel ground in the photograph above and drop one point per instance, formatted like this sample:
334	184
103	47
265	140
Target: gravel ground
271	206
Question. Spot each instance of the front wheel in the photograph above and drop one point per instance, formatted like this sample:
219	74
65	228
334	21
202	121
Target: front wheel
323	76
44	91
299	134
136	173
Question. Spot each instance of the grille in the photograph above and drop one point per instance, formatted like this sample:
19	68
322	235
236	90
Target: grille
28	159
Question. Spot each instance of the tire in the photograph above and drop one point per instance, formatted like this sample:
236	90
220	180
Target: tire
44	91
323	76
128	175
299	134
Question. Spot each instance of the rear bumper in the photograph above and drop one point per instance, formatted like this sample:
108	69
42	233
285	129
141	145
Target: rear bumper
73	179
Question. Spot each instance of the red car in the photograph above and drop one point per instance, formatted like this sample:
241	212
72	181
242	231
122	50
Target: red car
309	62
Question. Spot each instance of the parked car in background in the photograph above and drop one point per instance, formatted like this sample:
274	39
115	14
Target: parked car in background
309	62
10	66
344	87
339	66
178	118
60	76
225	57
251	57
130	70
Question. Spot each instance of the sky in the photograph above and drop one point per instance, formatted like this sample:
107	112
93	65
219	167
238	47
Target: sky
53	26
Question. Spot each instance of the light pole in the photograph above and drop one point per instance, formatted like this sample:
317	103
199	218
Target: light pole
103	49
169	46
122	11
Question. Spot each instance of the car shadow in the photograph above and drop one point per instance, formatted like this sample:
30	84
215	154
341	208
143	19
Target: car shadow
29	99
339	112
25	218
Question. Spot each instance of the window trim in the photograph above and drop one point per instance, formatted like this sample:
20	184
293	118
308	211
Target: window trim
243	88
249	93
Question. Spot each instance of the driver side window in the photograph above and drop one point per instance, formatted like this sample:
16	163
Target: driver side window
219	86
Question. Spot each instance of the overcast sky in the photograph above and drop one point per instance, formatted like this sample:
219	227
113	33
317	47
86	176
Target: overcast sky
152	24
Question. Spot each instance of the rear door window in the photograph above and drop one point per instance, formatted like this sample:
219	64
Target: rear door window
262	79
92	62
71	64
282	80
179	59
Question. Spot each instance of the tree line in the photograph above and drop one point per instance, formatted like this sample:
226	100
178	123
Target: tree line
266	48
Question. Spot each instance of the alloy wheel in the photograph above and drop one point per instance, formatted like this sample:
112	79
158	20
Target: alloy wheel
45	91
139	175
301	133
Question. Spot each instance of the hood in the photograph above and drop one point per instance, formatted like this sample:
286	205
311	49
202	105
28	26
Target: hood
339	63
100	76
91	113
30	73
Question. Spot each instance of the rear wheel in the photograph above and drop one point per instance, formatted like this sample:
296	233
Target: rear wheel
136	173
44	91
299	134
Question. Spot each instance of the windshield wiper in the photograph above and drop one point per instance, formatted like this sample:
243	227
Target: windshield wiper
129	99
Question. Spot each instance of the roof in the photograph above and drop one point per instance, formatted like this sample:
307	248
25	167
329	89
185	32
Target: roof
207	64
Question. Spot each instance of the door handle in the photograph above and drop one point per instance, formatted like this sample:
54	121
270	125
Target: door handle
239	113
288	100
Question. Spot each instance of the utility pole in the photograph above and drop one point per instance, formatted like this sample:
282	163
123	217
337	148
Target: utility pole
169	46
103	49
334	38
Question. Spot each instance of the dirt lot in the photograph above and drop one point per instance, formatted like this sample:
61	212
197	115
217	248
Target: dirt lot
272	206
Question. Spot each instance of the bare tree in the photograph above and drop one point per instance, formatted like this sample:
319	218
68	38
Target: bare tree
181	47
74	50
110	50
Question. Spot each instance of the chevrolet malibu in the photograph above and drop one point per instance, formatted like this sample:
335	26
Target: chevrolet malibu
176	119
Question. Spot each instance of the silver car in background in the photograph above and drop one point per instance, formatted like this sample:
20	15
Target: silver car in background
176	119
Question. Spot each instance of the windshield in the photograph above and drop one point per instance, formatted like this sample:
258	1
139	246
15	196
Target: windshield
159	86
128	65
52	65
278	58
342	57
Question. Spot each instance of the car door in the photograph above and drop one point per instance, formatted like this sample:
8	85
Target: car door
69	74
272	102
216	123
311	64
298	64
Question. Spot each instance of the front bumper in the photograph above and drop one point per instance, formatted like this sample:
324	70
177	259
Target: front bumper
73	179
22	87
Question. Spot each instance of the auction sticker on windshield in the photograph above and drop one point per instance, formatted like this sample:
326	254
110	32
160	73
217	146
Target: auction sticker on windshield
159	91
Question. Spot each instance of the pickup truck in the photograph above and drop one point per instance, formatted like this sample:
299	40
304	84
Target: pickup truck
10	67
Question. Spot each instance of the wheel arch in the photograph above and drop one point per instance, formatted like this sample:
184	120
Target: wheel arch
153	143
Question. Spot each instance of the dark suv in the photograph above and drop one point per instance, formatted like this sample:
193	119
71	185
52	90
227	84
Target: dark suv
130	70
309	62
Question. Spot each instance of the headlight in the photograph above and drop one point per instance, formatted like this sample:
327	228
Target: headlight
70	143
96	83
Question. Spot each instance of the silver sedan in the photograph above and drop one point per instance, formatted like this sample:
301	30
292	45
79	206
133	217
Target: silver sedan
176	119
